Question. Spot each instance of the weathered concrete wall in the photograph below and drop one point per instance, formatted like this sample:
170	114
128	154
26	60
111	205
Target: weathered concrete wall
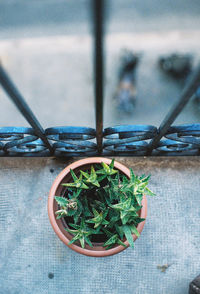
34	261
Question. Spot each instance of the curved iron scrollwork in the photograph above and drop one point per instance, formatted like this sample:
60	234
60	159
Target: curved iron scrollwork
128	139
174	146
183	139
20	140
118	140
72	141
189	133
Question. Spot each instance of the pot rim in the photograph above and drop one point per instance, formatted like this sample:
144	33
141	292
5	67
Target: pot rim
102	252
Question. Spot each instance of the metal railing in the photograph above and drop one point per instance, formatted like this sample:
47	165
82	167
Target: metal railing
126	140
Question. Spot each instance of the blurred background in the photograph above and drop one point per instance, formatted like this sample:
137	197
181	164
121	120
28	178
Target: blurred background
46	47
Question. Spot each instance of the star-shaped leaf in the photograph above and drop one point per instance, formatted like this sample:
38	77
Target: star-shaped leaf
112	241
107	170
91	178
78	182
124	206
127	210
99	218
81	233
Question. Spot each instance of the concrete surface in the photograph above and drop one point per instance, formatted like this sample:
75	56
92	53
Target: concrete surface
34	261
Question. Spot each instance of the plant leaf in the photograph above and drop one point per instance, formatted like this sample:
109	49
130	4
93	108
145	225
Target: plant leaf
73	175
128	234
134	230
61	201
112	164
82	241
87	240
147	191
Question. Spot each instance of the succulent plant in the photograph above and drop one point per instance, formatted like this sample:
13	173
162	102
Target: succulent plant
101	204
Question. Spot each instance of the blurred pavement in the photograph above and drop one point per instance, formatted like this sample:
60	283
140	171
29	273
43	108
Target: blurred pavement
47	49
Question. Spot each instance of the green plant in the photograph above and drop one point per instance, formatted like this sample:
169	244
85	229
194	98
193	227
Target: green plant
102	204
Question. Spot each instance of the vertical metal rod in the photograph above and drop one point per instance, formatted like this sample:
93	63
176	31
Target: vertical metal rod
190	88
22	106
98	13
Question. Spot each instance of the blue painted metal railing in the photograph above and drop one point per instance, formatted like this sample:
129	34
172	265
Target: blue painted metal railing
126	140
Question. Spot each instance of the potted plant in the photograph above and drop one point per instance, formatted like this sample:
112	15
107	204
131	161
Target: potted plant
97	206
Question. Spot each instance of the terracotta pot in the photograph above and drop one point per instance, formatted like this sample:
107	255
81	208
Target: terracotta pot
98	250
